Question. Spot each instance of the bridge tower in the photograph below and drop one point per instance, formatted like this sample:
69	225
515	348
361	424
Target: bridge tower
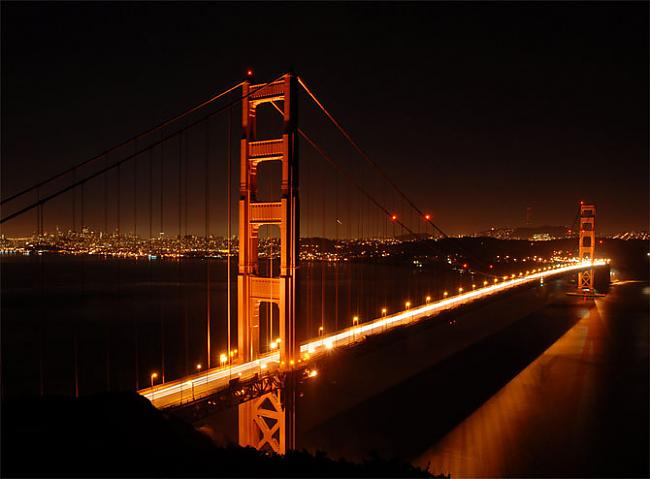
587	245
267	422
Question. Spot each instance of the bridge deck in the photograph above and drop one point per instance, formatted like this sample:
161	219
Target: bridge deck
184	390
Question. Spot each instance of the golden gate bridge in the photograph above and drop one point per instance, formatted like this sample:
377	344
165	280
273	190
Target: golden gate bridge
279	207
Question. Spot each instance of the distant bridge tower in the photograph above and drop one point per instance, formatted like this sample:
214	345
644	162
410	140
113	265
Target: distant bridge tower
587	245
267	422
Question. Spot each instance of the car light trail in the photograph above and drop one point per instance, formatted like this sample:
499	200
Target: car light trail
170	394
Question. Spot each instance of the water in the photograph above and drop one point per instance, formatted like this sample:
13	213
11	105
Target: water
560	392
580	409
78	325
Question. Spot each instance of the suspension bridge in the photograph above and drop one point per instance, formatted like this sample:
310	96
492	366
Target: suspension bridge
151	195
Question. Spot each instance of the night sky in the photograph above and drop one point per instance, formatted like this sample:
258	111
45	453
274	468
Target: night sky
477	110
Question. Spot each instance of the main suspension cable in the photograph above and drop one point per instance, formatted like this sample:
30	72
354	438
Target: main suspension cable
118	163
123	143
369	160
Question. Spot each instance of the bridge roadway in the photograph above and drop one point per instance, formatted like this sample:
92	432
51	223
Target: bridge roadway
184	390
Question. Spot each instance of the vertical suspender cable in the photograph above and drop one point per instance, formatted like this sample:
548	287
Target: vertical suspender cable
82	206
160	237
179	274
179	186
136	355
135	198
162	157
186	168
119	190
106	198
186	318
74	202
322	268
228	220
336	263
208	306
41	371
150	196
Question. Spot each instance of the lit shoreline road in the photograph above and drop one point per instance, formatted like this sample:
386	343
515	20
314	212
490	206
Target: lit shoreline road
192	387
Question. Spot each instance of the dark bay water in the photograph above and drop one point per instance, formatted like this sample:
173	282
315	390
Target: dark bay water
92	324
579	410
561	392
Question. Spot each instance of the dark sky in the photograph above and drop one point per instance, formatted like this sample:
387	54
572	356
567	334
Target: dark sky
477	110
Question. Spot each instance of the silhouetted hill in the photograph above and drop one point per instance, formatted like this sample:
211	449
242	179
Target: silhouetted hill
122	434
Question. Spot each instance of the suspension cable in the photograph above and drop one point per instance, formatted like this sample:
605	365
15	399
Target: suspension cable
343	172
374	164
124	143
115	165
572	230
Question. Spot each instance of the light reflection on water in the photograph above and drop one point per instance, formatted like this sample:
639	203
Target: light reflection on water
545	420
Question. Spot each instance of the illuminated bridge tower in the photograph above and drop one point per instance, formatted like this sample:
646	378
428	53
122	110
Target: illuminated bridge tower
587	246
267	422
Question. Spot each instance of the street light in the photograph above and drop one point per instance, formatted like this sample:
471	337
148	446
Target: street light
355	322
223	359
408	304
473	286
198	367
154	375
445	294
320	331
460	290
485	283
427	300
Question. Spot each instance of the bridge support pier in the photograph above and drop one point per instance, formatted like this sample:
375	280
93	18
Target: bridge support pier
267	423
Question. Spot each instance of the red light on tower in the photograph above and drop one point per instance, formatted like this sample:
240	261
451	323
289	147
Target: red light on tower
491	266
427	217
249	73
393	217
